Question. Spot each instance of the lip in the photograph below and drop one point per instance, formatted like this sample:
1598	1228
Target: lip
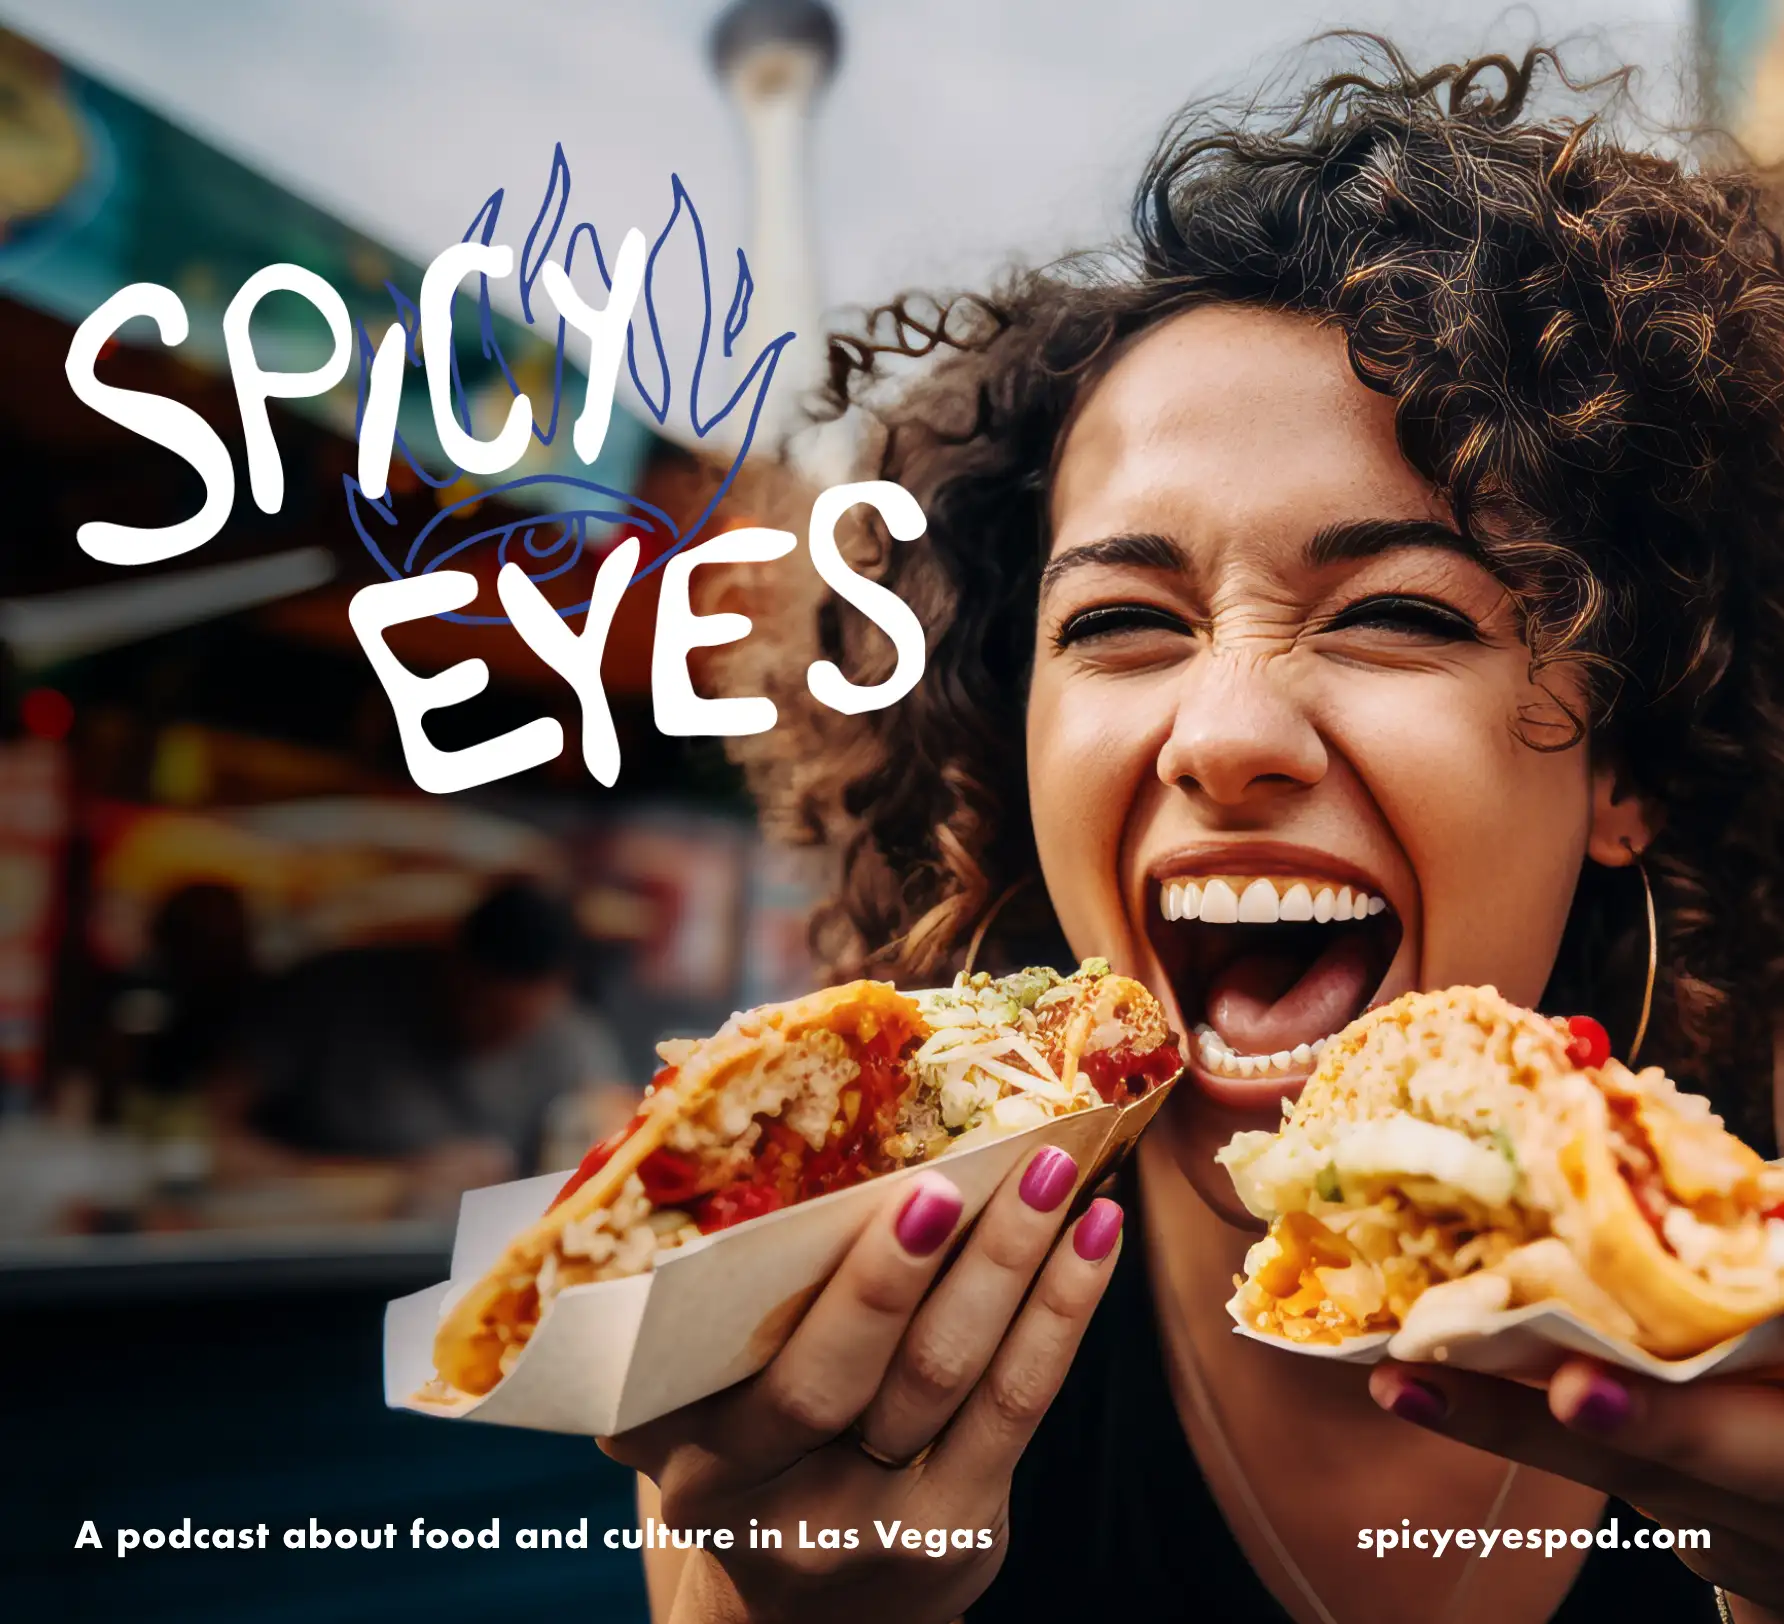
1260	858
1243	1093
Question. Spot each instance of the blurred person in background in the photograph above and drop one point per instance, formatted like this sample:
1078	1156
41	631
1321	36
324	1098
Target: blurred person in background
204	952
444	1058
169	1043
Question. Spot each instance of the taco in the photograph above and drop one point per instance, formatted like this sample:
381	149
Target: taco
1454	1156
791	1101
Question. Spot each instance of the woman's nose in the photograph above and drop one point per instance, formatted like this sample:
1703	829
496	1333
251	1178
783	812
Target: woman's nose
1238	734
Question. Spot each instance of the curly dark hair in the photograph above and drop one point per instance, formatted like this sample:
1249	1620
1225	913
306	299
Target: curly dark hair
1584	342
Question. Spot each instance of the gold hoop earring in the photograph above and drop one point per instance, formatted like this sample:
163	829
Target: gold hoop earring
1641	1026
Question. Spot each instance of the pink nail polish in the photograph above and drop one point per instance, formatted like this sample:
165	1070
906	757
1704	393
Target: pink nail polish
1094	1238
929	1215
1607	1405
1048	1178
1417	1402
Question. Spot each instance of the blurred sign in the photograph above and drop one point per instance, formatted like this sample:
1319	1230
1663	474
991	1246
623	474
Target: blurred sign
316	874
786	884
684	877
33	827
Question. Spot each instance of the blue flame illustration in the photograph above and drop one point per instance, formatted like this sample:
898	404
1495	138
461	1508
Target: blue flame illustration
552	543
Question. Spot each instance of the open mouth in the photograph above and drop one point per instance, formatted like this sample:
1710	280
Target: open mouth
1265	968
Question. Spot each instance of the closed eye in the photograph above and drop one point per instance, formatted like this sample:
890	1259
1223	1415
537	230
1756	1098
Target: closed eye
1405	614
1111	618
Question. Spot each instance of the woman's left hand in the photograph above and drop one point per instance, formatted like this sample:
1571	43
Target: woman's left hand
1707	1454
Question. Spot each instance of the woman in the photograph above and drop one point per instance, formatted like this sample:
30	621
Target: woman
1401	514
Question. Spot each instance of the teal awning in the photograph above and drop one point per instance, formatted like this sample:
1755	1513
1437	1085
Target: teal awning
96	192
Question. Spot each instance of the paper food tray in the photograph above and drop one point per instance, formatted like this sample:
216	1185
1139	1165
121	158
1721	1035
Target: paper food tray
613	1355
1530	1342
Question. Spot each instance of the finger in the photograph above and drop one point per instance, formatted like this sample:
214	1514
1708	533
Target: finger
1514	1422
1726	1433
1002	1412
955	1333
631	1451
833	1363
647	1448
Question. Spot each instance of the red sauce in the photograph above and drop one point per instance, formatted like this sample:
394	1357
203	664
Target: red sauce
736	1204
784	1169
600	1155
1122	1075
1635	1162
669	1177
592	1163
854	1154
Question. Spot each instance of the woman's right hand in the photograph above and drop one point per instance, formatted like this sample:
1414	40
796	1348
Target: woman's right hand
887	1357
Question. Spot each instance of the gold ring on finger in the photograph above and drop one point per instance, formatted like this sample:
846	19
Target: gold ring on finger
891	1463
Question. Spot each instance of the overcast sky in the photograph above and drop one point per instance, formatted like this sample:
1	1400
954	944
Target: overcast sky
956	131
957	134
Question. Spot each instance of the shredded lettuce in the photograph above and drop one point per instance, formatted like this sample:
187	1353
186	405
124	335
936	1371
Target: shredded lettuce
1026	986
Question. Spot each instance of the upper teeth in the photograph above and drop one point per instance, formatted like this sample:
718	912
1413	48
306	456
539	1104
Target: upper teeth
1236	900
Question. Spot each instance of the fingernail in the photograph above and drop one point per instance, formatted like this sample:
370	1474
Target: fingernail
1095	1236
1417	1402
930	1213
1605	1406
1048	1178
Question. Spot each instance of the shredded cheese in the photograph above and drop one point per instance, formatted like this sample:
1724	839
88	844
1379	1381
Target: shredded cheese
980	1057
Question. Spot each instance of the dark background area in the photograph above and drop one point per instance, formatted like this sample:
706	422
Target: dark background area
267	1407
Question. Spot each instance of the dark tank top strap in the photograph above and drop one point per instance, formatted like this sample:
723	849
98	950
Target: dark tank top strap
1110	1517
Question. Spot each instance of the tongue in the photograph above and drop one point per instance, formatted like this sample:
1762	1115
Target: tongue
1261	1003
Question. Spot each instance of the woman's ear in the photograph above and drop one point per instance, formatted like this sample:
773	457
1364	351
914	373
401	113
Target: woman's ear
1622	822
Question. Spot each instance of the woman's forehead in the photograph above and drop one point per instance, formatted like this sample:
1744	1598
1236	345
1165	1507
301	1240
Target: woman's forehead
1227	420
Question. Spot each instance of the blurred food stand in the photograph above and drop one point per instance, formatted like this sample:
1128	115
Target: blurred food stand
265	1008
208	729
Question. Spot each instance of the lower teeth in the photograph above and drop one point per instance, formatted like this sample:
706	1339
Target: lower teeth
1215	1054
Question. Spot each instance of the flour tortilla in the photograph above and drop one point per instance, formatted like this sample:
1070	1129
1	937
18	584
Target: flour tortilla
1679	1312
503	1306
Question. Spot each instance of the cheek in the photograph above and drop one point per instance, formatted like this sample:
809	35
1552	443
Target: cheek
1090	761
1495	831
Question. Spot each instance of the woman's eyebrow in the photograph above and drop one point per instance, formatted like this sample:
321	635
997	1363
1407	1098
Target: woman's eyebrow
1351	540
1140	549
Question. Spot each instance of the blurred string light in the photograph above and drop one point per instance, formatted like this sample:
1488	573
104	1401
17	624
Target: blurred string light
45	713
55	626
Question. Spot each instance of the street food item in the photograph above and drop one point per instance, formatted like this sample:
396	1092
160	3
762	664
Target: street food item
1454	1156
793	1101
1004	1053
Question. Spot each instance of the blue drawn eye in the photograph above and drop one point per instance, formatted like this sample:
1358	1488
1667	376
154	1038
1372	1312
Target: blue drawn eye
564	515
